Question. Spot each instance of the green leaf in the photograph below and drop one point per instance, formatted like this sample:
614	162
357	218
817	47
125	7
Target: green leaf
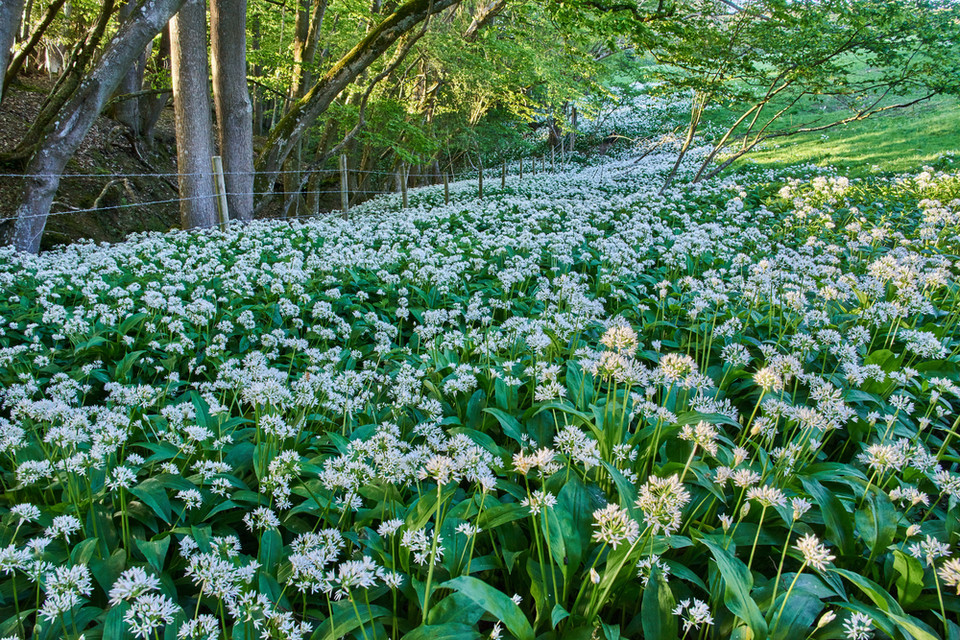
656	609
270	547
495	602
738	582
155	551
610	632
475	408
345	621
557	615
126	364
507	422
114	625
877	521
154	495
910	578
447	631
836	518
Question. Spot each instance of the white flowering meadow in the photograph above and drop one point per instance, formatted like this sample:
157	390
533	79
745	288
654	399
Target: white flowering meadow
573	409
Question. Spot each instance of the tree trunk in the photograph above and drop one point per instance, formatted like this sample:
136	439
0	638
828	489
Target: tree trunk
152	106
232	98
127	112
191	106
10	13
68	83
42	176
291	128
26	51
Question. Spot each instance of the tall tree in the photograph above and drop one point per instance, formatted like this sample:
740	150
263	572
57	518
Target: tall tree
191	107
42	175
232	99
288	132
11	12
128	110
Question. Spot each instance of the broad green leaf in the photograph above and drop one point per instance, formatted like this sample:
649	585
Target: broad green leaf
909	578
507	422
270	548
155	551
557	615
877	521
154	495
738	583
446	631
836	518
610	632
345	621
656	609
114	625
495	602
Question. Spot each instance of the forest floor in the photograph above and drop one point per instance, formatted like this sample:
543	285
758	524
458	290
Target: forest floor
106	171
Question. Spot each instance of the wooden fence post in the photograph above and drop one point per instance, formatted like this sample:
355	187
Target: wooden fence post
553	159
446	188
503	176
521	167
480	183
403	184
344	189
221	189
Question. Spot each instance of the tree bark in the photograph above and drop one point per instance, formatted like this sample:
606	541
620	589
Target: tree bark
67	84
42	176
10	13
191	105
127	112
232	99
152	106
483	17
21	57
291	128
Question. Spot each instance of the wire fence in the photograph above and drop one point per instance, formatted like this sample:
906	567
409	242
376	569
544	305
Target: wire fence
429	176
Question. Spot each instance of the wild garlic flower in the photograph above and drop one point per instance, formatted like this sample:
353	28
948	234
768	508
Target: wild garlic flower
767	496
622	339
63	526
419	544
64	586
132	583
148	613
949	572
704	435
693	614
646	566
929	550
389	527
800	506
203	627
614	526
538	500
26	512
814	553
858	626
662	501
260	519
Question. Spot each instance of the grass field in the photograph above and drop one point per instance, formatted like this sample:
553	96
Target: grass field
895	143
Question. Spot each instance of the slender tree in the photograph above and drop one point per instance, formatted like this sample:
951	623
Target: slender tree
42	175
127	111
11	12
232	99
191	106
